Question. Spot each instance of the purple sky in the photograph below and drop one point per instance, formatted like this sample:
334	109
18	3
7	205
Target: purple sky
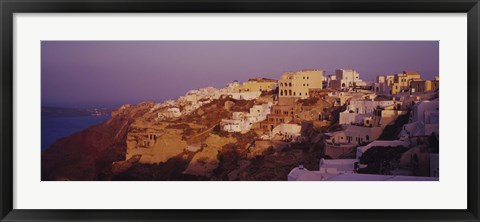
111	73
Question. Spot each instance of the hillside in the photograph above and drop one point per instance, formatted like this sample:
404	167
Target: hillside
103	152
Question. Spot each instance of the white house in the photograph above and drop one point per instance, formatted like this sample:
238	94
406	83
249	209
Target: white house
288	131
301	174
173	112
377	177
245	95
337	166
236	125
340	97
424	120
345	79
259	113
361	107
242	121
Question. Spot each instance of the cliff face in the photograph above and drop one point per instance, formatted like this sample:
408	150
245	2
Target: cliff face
133	136
88	154
140	143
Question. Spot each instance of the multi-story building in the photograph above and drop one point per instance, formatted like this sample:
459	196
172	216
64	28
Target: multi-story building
257	85
346	79
424	85
297	84
424	120
407	81
360	108
242	121
383	84
344	142
279	114
402	81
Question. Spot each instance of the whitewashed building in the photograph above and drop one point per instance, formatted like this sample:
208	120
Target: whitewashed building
245	95
424	120
242	121
357	109
346	79
288	131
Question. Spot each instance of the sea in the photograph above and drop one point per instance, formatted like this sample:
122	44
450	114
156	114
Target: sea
54	128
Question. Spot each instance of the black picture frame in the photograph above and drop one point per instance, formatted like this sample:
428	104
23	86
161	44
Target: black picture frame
9	7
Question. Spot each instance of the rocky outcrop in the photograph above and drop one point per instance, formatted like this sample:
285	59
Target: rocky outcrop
122	166
204	162
228	105
135	144
86	155
155	147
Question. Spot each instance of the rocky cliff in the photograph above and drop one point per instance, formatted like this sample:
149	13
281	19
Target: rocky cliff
88	154
135	144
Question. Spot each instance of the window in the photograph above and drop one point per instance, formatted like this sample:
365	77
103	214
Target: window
300	94
289	84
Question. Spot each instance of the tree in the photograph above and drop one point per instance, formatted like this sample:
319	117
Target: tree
433	143
379	159
217	128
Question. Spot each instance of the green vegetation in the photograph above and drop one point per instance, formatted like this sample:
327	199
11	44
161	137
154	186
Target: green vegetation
391	132
381	160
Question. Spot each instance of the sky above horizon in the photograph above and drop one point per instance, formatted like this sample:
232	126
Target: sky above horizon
87	74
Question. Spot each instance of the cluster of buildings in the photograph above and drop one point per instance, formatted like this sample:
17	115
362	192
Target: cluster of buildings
367	109
405	82
243	121
364	119
197	98
344	80
297	84
418	163
256	85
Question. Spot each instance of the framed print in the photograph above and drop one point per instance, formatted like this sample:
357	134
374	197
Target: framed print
254	111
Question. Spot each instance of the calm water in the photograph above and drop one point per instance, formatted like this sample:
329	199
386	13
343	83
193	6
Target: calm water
56	128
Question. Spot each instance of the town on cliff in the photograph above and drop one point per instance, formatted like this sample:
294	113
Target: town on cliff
305	126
